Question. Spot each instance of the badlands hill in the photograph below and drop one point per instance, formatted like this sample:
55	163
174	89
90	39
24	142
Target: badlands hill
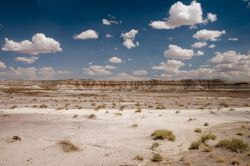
124	85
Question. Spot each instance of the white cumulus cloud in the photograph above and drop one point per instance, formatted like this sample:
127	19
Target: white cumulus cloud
199	53
140	72
26	60
38	44
211	46
176	52
199	44
98	70
109	22
212	17
211	35
115	60
2	65
233	39
181	14
170	66
108	36
128	39
88	34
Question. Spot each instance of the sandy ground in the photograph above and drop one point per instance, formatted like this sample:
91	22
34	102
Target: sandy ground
109	139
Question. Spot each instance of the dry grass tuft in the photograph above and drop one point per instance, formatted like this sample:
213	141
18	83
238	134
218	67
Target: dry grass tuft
220	159
67	146
138	158
43	106
134	125
163	134
194	145
235	145
206	124
156	158
207	137
92	116
154	146
197	130
14	139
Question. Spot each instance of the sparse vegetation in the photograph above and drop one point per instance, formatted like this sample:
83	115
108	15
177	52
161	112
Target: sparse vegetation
239	133
220	159
235	145
134	125
100	107
122	107
197	130
13	107
224	105
156	157
160	107
137	104
92	116
207	137
113	105
67	146
206	124
154	146
235	161
43	106
138	110
194	145
118	114
138	158
14	139
191	119
163	134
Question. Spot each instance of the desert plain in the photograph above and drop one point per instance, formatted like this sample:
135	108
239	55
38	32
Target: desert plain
61	123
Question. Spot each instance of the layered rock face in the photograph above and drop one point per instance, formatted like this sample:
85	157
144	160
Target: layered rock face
125	85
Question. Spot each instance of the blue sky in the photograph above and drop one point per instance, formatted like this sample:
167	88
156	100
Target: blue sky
161	52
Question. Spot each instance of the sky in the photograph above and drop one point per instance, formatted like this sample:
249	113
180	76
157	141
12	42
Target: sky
125	40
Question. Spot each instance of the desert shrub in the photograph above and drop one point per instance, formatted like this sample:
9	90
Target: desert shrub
154	145
134	125
43	106
197	130
194	145
220	159
191	119
138	110
100	107
113	105
160	107
206	137
156	157
239	133
13	107
206	124
139	158
122	107
137	104
92	116
67	146
163	134
235	145
118	114
14	139
224	105
235	161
